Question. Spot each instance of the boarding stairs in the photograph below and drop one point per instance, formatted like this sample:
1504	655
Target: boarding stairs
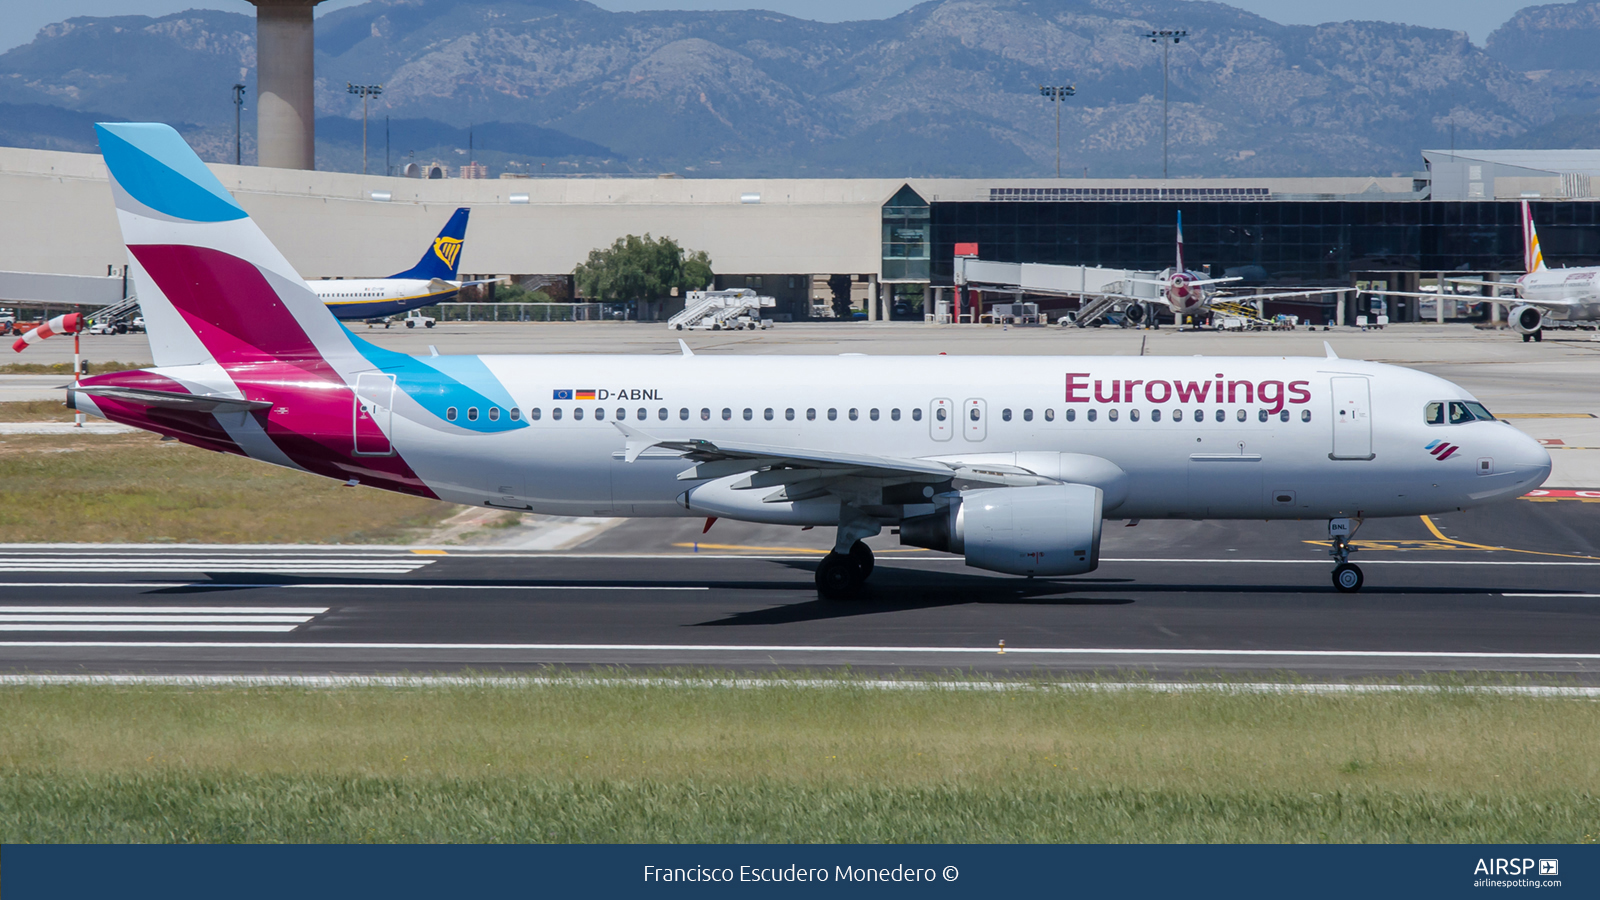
719	310
1096	309
119	313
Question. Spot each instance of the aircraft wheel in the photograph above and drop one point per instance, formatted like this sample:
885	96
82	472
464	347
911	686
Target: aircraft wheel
1347	578
861	556
1526	338
1538	336
838	577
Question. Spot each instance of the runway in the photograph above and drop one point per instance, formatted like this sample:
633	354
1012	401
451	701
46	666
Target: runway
1449	593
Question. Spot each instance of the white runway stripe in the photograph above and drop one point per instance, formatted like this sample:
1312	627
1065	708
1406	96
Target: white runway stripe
235	629
225	610
267	568
386	586
107	618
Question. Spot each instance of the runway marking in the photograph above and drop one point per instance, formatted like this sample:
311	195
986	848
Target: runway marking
535	681
223	610
1580	596
804	649
384	586
107	618
236	629
1440	535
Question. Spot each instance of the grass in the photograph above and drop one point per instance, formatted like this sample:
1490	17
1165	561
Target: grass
134	488
576	762
65	368
38	411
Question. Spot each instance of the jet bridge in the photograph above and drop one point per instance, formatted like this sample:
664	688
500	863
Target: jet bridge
1091	284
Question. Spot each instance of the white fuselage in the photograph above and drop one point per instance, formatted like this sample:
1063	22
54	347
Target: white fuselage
376	297
1296	438
1573	293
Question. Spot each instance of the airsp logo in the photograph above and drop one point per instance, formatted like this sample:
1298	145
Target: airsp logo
447	249
1549	867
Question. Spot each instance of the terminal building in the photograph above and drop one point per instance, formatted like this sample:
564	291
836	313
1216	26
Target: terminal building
888	244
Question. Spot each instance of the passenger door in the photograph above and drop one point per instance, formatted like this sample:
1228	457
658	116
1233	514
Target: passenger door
974	420
374	407
1352	418
940	414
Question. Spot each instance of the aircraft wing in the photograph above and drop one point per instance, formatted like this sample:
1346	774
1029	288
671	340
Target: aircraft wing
1474	298
1282	294
1562	304
439	285
774	466
1199	283
175	400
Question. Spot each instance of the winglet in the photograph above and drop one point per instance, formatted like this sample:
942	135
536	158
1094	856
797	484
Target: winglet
684	347
637	441
1329	347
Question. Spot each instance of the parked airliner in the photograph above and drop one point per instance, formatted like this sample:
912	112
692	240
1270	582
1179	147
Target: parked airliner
1011	462
430	281
1569	295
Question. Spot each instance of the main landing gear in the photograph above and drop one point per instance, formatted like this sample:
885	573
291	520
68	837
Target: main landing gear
1347	577
840	576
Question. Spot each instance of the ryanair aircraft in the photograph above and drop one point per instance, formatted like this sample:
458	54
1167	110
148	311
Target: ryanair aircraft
432	280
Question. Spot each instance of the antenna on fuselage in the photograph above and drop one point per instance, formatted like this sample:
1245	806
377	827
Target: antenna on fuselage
684	347
1329	347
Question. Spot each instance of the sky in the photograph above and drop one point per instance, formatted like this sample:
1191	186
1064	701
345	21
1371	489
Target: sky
1476	17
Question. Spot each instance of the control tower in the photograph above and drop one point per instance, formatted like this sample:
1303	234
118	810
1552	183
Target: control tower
285	102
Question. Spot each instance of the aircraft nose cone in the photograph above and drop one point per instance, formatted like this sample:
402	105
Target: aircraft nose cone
1530	460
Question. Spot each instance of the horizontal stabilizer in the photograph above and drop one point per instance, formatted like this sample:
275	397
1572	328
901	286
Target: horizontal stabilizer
173	400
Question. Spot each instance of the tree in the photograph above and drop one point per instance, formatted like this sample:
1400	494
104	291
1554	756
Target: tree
638	269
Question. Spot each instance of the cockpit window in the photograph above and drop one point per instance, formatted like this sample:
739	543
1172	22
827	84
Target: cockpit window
1479	412
1455	412
1433	413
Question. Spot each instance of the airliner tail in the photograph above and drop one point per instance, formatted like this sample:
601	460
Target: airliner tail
443	257
1532	256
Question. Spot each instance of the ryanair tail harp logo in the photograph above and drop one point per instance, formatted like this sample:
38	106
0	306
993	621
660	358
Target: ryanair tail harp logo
447	249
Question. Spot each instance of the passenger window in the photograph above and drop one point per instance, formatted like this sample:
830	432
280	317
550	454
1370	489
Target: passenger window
599	413
516	414
1261	415
535	413
1177	415
1433	413
1005	415
748	414
556	414
1305	415
854	414
450	414
643	414
1283	416
873	415
1133	415
788	414
1155	415
1241	415
894	414
811	414
661	414
1111	415
726	414
1072	415
939	414
577	413
705	414
683	414
1222	415
767	414
494	413
472	414
916	415
1049	415
1027	415
1091	415
833	414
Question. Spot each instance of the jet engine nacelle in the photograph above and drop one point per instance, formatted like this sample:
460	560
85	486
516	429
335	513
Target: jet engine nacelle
1051	529
1527	319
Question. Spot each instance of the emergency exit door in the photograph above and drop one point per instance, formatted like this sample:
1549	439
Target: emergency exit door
1352	418
975	420
374	407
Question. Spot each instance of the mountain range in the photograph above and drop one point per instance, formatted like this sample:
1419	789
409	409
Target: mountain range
948	88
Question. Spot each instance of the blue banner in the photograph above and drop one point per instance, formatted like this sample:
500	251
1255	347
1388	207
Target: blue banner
66	872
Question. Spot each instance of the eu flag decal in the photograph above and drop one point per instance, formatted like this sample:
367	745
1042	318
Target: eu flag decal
562	394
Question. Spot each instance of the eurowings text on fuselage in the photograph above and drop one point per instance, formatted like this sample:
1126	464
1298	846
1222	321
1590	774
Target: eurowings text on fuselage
1012	461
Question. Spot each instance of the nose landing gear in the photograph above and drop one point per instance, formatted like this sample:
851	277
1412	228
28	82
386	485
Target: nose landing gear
1347	577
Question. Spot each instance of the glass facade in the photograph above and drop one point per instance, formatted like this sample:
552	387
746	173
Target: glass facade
1278	242
905	237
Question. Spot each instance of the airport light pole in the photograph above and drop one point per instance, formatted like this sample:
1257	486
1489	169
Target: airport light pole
365	90
1166	38
238	106
1057	93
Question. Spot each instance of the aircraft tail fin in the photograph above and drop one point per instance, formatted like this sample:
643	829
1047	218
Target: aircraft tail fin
212	287
1180	242
443	257
1532	256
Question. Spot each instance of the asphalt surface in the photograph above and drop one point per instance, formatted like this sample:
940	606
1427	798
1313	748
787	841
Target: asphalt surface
1512	588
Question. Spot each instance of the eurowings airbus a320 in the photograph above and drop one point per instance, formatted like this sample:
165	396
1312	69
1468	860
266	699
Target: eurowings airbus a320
1011	462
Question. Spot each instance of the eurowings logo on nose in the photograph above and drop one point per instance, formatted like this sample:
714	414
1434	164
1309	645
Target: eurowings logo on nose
1442	449
447	248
